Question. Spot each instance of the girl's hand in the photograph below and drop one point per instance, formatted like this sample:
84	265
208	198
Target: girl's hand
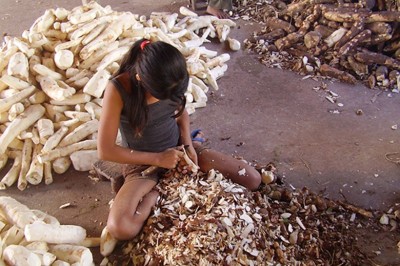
192	154
170	158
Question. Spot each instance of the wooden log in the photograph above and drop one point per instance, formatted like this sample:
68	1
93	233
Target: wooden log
397	54
350	5
369	17
310	19
312	39
354	42
368	3
379	27
294	51
325	31
359	68
368	57
381	73
380	4
394	77
273	35
275	23
343	16
327	70
384	16
331	2
294	37
344	8
288	41
355	209
392	45
296	8
378	39
354	30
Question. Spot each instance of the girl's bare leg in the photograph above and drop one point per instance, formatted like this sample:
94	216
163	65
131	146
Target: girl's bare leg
132	206
230	167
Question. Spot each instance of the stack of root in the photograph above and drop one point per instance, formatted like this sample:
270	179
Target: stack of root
52	81
34	238
339	39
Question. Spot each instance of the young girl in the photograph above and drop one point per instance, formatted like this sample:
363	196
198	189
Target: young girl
145	101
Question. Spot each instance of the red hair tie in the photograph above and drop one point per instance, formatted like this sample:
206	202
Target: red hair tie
144	43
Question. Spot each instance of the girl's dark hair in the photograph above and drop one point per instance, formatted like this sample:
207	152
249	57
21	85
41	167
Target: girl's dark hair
162	71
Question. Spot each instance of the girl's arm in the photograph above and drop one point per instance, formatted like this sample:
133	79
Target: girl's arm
107	134
183	122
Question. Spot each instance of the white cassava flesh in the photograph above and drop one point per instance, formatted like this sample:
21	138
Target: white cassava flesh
97	84
80	133
14	82
15	110
45	128
67	150
53	89
61	165
77	98
48	175
22	122
27	151
64	59
45	217
53	141
234	44
54	234
18	66
187	12
335	36
16	213
90	242
45	71
35	173
73	254
32	237
107	242
3	160
21	256
84	160
6	103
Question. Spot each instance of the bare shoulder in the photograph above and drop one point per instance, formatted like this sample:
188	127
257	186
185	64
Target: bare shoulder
125	81
112	97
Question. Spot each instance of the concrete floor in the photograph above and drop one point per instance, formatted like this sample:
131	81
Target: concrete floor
263	115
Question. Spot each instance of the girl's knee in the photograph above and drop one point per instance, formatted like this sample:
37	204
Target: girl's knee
253	181
122	230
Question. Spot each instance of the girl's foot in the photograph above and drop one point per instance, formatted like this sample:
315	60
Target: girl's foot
217	12
197	138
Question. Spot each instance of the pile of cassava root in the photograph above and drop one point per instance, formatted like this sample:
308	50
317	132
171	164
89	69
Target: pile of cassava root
34	238
346	40
52	79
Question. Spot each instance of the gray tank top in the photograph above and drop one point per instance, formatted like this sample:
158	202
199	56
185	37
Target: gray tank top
161	130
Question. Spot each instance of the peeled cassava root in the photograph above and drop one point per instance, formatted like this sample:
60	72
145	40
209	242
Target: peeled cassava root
53	77
32	237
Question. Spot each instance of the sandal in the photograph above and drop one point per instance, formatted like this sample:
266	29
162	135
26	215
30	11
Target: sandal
194	134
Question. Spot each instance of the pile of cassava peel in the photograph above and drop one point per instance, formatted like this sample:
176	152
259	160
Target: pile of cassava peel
205	219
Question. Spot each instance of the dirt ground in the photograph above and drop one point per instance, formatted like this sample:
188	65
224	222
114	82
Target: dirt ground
263	115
